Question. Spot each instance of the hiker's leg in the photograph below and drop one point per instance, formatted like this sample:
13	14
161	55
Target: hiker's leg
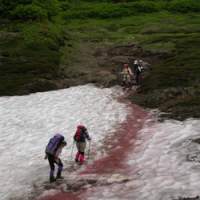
140	79
52	167
82	152
77	156
78	152
82	157
60	168
137	79
82	147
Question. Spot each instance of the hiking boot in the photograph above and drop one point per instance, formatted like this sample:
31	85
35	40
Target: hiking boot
77	157
52	179
80	163
82	157
59	175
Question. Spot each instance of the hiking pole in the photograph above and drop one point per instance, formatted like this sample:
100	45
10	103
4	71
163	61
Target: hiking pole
72	149
89	149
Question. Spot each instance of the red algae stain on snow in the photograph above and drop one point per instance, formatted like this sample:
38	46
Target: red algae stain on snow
120	145
61	196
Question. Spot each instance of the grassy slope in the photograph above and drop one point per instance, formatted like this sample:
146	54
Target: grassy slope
30	56
173	84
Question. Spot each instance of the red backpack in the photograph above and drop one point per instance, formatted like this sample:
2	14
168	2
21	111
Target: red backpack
78	133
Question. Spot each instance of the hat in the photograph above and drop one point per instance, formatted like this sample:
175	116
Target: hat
64	142
81	127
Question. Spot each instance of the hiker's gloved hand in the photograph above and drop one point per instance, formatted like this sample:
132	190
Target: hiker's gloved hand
45	157
89	138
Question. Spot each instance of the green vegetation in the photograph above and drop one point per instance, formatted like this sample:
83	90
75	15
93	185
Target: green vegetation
30	57
108	9
51	44
30	42
29	9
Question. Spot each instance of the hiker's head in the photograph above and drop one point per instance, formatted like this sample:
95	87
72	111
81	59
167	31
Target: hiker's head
136	62
125	65
81	127
63	143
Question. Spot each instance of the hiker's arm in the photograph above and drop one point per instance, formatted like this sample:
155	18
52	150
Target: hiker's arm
130	72
87	135
74	137
58	152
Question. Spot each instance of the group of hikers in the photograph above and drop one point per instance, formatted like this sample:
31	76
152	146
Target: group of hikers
55	146
57	142
129	76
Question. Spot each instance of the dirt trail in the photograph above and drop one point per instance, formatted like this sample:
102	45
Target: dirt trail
114	163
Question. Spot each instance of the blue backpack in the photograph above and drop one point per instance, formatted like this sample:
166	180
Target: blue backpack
54	143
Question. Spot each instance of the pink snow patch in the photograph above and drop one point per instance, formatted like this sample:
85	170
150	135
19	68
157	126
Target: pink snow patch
61	196
120	145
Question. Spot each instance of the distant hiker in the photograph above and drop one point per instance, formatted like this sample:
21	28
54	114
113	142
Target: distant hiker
127	75
137	71
53	151
80	138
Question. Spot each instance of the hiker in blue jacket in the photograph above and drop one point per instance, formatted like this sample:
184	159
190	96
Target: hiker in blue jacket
53	151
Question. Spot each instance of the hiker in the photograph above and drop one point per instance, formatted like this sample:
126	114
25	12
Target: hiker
127	75
80	138
137	71
53	151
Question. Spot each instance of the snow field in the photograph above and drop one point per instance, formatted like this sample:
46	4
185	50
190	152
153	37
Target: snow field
27	123
159	165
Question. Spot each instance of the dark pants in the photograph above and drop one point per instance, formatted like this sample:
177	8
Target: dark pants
138	78
53	161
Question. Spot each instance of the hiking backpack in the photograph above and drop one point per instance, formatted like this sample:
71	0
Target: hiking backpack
54	143
79	133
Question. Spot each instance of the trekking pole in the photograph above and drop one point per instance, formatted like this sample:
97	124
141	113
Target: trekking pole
89	149
72	149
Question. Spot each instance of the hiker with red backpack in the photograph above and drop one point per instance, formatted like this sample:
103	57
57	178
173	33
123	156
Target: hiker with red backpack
127	76
53	151
80	138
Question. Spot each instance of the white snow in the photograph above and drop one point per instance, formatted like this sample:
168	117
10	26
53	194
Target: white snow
164	170
27	123
160	165
164	164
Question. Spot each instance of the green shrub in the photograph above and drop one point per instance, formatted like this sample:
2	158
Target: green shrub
28	12
184	6
30	7
68	4
8	5
51	6
146	6
65	6
87	11
110	10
